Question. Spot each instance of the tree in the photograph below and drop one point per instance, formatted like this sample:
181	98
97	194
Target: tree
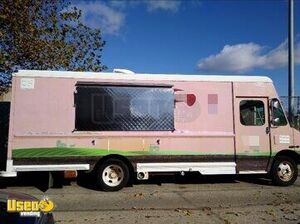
46	35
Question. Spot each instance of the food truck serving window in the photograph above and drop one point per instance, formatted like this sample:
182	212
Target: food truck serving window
124	108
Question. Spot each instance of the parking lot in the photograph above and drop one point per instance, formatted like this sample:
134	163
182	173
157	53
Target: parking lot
169	199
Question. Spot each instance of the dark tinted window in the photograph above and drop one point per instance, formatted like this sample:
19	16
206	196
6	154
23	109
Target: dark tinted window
124	108
252	112
4	126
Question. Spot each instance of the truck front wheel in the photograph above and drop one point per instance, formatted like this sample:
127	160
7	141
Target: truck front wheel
284	171
112	175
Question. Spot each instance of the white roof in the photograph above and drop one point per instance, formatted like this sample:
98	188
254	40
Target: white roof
139	76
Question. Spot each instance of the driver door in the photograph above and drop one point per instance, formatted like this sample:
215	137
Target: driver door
252	134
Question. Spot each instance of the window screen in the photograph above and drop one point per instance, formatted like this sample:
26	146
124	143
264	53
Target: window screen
124	108
252	112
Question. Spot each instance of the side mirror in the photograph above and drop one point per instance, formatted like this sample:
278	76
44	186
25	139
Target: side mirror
275	121
278	117
275	104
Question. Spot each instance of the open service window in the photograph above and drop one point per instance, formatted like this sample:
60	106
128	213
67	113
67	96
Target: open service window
124	108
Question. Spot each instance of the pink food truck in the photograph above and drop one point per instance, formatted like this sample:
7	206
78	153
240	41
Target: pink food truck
123	125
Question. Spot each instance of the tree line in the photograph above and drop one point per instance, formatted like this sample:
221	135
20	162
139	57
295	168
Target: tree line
46	35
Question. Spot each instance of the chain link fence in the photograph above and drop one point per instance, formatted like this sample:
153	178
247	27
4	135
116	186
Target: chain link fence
295	119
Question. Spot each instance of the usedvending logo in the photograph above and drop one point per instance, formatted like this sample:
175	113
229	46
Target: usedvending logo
30	208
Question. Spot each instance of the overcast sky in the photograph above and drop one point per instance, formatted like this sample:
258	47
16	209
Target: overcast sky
197	37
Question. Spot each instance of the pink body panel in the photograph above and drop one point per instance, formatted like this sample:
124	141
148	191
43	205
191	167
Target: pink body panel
45	115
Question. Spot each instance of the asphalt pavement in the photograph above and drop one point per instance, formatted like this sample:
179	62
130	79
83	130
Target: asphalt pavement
169	199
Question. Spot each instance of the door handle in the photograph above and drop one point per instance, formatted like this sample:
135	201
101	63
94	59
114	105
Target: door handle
267	130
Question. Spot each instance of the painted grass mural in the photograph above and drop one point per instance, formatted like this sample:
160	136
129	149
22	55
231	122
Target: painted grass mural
64	151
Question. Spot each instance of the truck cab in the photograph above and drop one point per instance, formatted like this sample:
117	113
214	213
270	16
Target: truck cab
285	142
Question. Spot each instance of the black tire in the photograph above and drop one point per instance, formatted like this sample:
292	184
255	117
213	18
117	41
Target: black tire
284	171
112	175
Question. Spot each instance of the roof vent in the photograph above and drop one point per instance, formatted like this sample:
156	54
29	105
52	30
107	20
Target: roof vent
122	71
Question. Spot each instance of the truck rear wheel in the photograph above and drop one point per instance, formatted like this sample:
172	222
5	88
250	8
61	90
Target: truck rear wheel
112	175
284	171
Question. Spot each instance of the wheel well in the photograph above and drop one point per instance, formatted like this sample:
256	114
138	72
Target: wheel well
292	154
116	156
289	153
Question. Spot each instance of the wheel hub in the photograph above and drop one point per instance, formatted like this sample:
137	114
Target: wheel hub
113	175
284	171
